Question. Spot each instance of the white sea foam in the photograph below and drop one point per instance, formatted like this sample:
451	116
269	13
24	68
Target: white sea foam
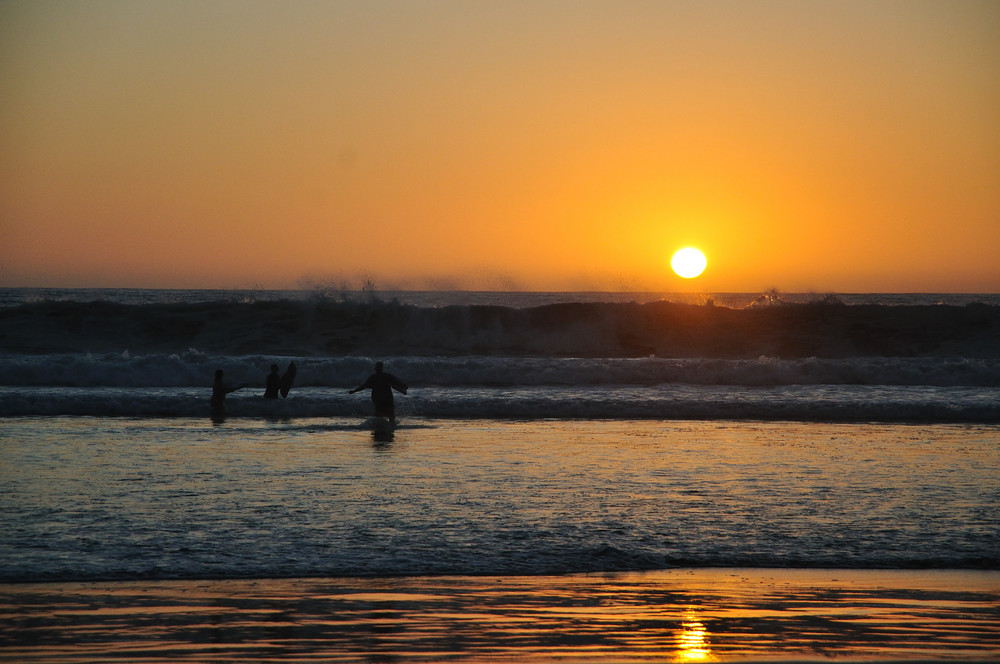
667	401
194	368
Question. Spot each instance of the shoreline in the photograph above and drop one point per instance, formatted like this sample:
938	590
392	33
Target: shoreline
688	614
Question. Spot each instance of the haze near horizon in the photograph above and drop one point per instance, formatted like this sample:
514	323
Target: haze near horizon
555	145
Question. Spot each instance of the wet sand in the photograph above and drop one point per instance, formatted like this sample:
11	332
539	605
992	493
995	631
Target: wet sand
683	615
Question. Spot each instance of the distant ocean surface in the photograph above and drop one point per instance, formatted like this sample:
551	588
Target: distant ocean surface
543	433
516	299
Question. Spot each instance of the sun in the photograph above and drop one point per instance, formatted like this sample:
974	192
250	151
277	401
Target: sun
688	262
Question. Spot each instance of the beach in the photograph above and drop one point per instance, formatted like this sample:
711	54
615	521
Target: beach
680	615
491	541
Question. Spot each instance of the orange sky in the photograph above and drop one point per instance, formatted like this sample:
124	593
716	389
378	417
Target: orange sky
536	145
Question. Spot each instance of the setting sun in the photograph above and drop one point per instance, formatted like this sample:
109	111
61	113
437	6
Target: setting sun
688	262
163	146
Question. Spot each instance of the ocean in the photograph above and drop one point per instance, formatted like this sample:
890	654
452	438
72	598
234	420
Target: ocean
891	358
542	434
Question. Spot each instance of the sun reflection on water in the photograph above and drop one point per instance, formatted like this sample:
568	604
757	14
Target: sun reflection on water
692	640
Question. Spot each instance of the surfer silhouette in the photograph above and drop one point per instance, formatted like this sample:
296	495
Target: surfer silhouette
273	385
382	384
219	391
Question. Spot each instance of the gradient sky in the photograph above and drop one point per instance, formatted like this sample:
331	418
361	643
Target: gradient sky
536	145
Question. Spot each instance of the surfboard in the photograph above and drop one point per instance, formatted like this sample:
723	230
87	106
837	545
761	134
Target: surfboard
287	379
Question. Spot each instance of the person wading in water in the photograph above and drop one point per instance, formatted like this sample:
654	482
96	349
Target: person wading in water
382	384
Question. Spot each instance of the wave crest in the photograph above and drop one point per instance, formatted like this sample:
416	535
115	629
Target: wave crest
823	329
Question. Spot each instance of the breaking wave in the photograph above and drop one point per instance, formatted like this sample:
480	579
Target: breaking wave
194	368
824	329
827	403
771	360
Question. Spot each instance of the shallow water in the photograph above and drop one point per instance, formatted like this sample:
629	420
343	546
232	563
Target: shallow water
674	616
133	498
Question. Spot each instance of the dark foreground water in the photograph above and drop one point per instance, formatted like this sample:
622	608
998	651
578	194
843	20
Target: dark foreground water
133	498
180	539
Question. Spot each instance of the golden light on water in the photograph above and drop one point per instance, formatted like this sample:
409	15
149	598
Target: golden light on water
692	641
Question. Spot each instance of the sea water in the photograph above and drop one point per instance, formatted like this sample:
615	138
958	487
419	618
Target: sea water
542	434
166	498
902	358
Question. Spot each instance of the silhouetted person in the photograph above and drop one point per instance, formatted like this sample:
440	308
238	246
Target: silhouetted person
273	383
219	392
382	384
